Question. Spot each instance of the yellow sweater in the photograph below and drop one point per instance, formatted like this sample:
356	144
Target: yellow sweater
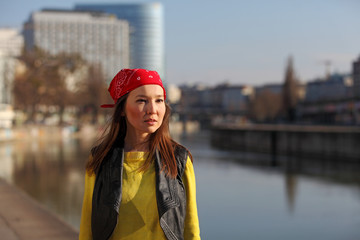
138	214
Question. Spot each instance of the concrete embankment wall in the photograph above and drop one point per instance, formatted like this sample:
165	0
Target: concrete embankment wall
21	218
310	141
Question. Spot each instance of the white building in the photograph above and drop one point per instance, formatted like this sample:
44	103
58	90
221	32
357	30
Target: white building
100	38
11	44
173	93
336	87
236	99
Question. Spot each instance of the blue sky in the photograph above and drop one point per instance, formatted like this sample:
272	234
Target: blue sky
242	42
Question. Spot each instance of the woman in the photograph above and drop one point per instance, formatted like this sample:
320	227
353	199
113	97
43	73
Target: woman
139	183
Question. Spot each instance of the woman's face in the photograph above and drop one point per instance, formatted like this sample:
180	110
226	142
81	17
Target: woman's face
145	110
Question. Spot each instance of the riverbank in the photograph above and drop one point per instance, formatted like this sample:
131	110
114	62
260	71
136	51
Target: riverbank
22	218
330	142
85	132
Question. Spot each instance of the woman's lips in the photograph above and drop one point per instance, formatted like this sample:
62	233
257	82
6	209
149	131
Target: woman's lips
151	121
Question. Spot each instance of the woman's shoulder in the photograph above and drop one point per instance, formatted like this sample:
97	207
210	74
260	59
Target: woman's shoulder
182	155
180	149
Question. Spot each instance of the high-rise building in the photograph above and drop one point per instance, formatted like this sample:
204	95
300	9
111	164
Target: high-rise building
100	38
356	77
146	32
11	45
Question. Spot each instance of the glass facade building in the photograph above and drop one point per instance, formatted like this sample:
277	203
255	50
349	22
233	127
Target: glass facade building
146	32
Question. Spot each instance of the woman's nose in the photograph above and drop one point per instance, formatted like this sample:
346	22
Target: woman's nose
151	108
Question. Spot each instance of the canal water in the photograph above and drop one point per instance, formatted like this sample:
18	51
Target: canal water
240	195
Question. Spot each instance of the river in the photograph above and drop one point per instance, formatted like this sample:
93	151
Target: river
240	195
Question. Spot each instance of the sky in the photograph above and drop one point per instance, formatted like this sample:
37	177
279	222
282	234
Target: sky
240	42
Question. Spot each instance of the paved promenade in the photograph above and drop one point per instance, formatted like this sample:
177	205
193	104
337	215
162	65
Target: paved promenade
22	218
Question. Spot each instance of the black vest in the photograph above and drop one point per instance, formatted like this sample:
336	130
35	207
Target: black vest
170	195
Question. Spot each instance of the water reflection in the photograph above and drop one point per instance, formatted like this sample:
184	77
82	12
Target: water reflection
245	196
51	171
240	195
290	190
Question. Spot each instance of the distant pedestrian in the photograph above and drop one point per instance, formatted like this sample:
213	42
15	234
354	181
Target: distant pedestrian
139	183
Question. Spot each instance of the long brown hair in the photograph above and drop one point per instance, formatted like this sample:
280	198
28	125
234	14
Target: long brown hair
115	134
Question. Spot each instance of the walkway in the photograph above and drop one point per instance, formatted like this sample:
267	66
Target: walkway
22	218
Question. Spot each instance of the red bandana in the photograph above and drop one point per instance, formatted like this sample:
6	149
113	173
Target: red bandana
128	79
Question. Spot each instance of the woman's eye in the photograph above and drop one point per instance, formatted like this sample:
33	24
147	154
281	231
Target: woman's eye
160	100
141	100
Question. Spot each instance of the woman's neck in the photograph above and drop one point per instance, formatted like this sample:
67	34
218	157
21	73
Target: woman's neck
135	143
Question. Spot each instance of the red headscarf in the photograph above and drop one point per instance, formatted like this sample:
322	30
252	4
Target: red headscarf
128	79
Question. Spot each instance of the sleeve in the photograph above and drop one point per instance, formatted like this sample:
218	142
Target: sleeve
192	229
85	223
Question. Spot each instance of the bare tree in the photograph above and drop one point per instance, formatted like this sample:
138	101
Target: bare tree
93	93
28	85
266	106
42	83
64	65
